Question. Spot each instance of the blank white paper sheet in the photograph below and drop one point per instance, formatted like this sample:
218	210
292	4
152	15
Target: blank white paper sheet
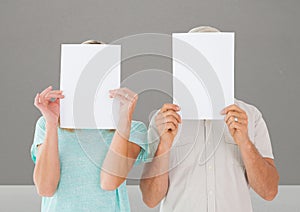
203	73
88	72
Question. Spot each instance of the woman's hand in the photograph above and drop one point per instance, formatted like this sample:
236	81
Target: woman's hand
128	100
48	108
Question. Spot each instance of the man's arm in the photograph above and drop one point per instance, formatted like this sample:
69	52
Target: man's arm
261	172
155	180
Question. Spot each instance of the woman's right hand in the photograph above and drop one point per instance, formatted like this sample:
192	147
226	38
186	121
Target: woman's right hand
48	108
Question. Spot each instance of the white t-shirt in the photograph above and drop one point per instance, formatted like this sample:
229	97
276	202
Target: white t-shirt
206	167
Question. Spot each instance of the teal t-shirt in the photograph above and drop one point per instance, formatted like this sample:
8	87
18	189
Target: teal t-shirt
81	154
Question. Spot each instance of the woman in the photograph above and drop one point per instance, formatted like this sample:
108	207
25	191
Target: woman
85	169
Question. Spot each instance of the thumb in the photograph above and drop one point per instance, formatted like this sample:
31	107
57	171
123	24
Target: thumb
57	101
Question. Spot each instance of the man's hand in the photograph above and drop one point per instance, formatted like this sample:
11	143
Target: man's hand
167	121
237	122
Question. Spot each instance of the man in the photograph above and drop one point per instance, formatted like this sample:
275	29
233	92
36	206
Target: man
213	163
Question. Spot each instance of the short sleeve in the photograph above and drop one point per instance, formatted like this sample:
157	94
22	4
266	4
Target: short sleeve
39	136
261	136
153	138
138	135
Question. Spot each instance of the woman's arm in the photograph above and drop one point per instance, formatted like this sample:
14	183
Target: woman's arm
47	168
122	153
118	162
46	173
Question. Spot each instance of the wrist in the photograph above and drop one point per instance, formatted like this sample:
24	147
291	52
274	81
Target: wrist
123	128
245	144
51	125
163	147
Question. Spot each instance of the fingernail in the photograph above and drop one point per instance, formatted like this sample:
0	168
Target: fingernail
222	112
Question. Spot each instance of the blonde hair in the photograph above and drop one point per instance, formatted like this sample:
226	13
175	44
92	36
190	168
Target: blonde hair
85	42
92	42
204	29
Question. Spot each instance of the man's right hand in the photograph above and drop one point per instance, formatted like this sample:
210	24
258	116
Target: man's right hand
167	121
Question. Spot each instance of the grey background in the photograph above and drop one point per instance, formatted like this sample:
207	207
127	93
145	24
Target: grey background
266	67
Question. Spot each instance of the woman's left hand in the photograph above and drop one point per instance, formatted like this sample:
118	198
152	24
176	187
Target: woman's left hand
237	122
128	100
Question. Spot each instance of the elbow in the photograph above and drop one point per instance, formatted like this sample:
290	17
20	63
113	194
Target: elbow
270	195
148	199
46	191
272	191
108	186
110	183
150	203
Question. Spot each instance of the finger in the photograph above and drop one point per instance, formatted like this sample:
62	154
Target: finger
231	120
123	94
42	95
36	100
170	126
53	95
119	97
236	125
169	106
56	91
161	117
240	120
167	120
232	107
57	100
234	114
40	103
123	91
130	92
172	113
46	90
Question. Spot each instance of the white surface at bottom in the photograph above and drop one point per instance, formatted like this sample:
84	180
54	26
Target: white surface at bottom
24	198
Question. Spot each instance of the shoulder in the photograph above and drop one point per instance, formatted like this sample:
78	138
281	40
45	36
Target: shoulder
250	109
41	122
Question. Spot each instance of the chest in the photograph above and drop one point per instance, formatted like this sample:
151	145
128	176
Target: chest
82	148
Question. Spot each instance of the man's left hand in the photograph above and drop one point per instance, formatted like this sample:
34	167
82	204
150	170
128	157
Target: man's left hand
237	123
